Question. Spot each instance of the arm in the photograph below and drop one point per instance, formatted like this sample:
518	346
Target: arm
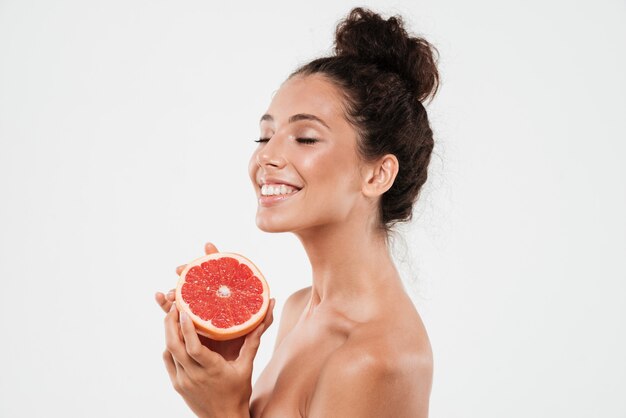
369	384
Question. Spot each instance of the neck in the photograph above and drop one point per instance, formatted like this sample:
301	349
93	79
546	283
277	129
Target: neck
349	263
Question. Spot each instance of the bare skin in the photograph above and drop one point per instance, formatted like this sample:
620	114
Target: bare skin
213	377
352	344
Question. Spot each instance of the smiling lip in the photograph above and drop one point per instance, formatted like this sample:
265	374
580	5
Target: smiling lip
275	199
275	180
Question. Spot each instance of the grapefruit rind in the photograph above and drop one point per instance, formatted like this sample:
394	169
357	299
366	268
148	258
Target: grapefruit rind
206	328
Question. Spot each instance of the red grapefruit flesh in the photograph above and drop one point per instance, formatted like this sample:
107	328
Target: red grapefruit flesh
224	294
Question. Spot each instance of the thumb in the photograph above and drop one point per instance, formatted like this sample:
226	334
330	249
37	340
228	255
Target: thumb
253	340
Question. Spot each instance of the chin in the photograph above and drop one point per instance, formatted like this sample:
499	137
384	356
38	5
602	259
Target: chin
269	228
270	224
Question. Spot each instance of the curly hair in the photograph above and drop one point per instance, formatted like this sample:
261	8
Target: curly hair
385	74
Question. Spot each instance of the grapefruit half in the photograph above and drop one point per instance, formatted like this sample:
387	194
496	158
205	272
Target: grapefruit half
224	294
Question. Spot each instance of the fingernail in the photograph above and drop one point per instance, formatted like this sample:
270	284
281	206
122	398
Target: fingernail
183	317
172	307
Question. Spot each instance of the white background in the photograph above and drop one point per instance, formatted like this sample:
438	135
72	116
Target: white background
125	133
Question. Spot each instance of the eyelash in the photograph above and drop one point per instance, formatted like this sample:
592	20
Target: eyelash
301	140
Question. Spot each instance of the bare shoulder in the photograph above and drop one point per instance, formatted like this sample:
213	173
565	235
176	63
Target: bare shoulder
294	305
378	372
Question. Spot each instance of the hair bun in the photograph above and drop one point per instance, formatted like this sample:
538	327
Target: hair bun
367	36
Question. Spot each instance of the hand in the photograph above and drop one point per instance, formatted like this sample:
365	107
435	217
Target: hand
213	377
228	349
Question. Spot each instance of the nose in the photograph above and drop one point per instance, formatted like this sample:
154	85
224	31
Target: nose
270	154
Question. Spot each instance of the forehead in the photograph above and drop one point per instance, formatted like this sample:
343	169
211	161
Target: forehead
313	94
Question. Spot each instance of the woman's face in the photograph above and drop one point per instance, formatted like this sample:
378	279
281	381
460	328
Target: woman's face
325	172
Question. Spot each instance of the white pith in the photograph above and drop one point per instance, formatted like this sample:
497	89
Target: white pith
277	189
223	291
182	305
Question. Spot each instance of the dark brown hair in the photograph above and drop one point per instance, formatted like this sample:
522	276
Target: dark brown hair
385	74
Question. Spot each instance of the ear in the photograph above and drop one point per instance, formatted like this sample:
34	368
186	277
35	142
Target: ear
378	177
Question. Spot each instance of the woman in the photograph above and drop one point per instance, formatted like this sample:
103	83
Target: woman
350	141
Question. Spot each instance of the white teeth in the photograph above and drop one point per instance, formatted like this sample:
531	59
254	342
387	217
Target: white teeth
277	190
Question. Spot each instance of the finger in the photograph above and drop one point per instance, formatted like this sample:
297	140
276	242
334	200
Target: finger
173	367
160	298
209	248
171	295
173	340
180	269
174	370
253	339
163	301
193	345
269	316
170	366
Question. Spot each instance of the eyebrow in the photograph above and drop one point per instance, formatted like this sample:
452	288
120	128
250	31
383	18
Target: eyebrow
296	117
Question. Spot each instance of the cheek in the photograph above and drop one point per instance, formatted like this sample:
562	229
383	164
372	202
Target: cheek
332	170
316	167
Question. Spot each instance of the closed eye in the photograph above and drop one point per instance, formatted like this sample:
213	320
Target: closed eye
306	140
300	140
